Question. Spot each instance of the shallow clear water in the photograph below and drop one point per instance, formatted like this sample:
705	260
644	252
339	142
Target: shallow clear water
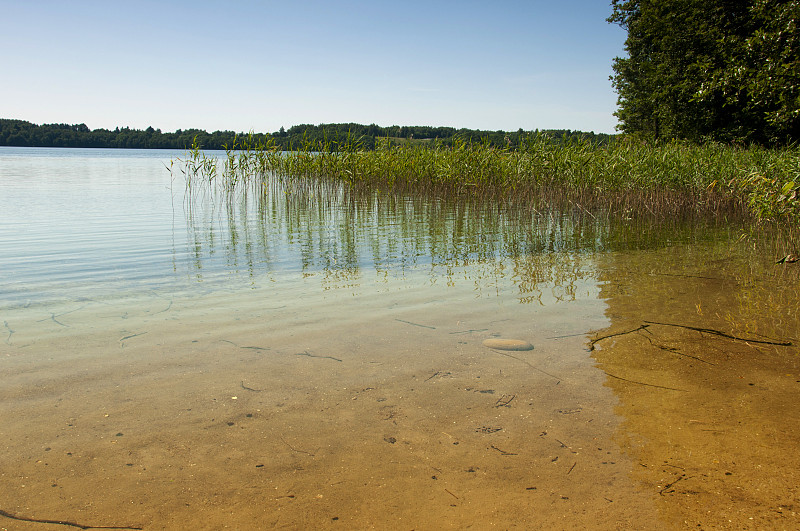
80	222
76	220
311	358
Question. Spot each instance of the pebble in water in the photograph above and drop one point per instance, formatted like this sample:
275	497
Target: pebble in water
507	344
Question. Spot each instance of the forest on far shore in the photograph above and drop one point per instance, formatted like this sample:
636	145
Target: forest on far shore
26	134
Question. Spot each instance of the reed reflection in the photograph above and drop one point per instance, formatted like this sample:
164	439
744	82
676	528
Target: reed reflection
702	353
346	237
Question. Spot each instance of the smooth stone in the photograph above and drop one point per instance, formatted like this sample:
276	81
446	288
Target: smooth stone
507	344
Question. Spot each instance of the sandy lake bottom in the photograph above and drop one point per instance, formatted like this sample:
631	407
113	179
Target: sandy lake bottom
266	408
308	359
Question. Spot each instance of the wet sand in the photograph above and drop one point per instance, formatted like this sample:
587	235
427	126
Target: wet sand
703	355
238	410
341	403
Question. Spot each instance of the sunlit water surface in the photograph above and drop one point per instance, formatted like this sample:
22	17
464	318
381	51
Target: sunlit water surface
307	357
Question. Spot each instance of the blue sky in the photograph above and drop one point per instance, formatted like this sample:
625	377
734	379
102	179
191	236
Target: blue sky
247	65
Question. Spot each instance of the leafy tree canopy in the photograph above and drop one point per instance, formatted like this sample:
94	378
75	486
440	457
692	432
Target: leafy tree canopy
725	70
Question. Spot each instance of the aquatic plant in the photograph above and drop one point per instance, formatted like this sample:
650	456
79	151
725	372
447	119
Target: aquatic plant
626	176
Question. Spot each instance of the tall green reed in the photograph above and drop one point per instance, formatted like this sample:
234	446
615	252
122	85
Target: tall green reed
625	176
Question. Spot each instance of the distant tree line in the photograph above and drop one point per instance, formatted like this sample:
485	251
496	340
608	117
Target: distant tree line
26	134
725	70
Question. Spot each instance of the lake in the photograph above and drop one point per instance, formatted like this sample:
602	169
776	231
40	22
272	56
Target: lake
307	356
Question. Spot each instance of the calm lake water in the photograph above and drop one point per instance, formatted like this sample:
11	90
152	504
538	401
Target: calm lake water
313	358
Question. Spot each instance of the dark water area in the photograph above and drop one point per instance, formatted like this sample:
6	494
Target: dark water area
306	356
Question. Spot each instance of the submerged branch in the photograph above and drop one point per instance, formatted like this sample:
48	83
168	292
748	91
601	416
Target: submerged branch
529	364
676	351
643	383
724	335
61	522
702	330
307	353
598	339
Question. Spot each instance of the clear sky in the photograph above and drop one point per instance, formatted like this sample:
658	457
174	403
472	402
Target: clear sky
245	65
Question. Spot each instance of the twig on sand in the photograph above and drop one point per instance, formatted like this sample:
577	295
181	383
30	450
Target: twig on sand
10	331
306	353
529	364
642	383
250	388
416	324
598	339
61	522
724	335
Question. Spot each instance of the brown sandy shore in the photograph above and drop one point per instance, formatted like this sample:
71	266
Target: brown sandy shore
717	440
240	410
226	412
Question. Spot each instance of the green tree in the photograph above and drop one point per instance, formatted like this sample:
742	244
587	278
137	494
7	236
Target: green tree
758	80
720	69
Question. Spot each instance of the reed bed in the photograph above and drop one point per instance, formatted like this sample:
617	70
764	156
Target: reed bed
626	176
